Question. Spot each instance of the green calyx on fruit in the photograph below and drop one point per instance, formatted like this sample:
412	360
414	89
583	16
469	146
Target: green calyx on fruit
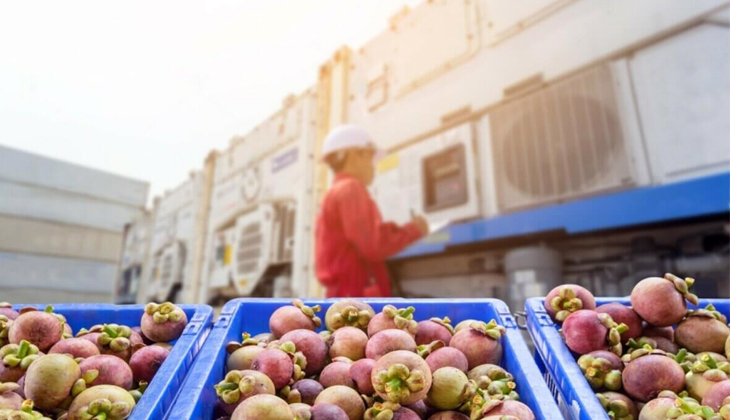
234	386
137	393
706	363
490	329
232	346
350	316
683	286
370	400
381	410
82	383
163	312
19	355
444	322
300	361
565	303
397	382
309	311
61	319
26	412
5	324
616	409
497	382
680	357
687	408
326	334
481	404
290	395
708	312
599	373
114	336
403	318
614	332
501	389
425	349
104	409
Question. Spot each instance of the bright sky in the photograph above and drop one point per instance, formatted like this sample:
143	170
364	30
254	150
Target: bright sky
146	89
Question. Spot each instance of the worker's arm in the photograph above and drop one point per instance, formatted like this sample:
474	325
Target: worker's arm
364	228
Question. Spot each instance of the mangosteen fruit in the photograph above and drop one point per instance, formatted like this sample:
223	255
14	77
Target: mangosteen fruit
623	315
241	354
296	316
349	313
434	329
348	342
163	322
401	377
703	330
393	318
660	301
618	406
585	331
480	343
387	341
566	299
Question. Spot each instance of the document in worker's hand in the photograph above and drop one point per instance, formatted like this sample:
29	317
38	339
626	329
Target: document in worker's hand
434	227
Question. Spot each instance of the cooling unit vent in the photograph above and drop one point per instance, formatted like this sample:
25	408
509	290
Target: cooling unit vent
249	248
562	142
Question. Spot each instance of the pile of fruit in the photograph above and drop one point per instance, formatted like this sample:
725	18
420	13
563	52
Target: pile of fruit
100	373
654	360
368	366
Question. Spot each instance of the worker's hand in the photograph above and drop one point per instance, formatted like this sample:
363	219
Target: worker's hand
421	224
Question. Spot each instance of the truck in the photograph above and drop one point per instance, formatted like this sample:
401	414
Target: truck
134	261
558	140
259	195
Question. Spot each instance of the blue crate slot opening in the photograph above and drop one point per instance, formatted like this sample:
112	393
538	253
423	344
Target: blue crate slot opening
198	399
575	396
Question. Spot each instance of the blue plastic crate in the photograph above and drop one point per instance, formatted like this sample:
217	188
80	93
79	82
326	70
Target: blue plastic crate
163	389
198	397
575	397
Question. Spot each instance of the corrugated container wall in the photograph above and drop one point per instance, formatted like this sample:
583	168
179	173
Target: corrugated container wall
61	228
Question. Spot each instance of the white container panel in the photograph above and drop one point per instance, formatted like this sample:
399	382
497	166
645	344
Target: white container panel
54	205
44	295
58	240
29	168
589	27
399	186
136	242
683	94
24	271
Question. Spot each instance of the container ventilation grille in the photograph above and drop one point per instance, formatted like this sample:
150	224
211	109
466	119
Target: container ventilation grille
249	248
561	142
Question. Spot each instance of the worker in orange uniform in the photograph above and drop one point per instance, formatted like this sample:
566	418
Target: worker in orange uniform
352	240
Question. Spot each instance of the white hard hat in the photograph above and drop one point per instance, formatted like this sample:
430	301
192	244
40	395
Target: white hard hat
347	137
